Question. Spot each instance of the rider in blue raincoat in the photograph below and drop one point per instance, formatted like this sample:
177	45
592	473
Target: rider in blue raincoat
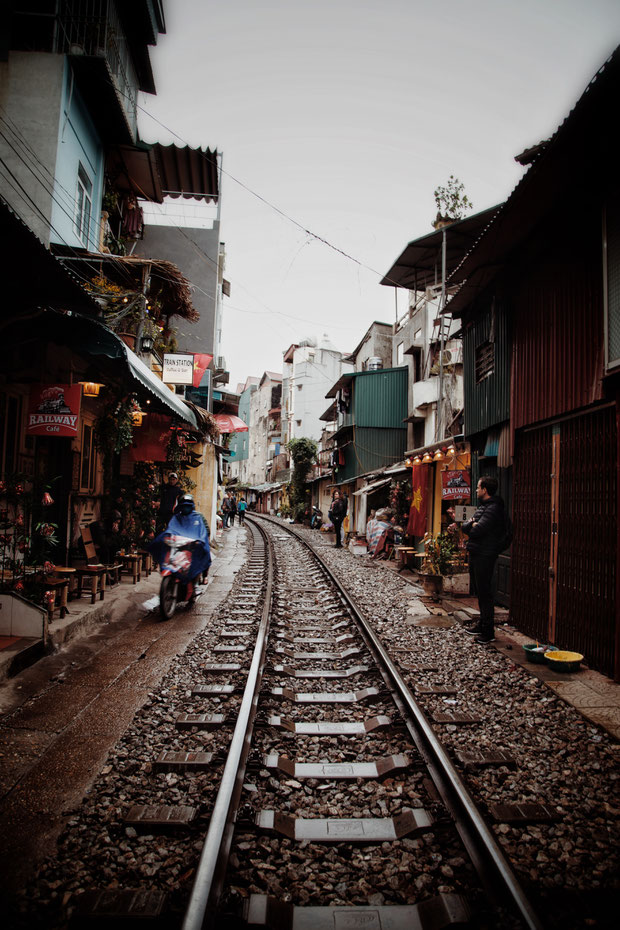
186	521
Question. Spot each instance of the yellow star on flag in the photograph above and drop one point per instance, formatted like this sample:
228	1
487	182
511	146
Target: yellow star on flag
417	499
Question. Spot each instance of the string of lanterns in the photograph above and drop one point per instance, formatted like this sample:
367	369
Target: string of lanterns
438	456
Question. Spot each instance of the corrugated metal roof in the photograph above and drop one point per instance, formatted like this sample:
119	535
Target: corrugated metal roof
419	266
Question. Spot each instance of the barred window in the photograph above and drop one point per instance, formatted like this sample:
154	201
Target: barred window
485	360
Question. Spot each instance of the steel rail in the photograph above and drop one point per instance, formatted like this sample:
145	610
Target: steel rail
206	890
493	868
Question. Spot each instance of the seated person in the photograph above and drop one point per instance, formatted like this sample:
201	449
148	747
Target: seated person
381	536
107	536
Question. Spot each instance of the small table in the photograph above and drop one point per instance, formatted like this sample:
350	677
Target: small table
65	571
403	553
132	563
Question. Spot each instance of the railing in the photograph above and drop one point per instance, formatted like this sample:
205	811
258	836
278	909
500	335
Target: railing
92	28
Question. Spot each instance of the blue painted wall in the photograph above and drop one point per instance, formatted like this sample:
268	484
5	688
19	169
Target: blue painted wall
239	442
78	142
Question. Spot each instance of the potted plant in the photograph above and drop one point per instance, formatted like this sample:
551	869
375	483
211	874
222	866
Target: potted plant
439	552
451	202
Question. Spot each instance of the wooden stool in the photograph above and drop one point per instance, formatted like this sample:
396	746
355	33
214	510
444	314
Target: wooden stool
97	574
64	571
132	563
56	585
114	573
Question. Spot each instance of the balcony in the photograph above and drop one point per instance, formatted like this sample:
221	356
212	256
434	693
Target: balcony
92	34
425	393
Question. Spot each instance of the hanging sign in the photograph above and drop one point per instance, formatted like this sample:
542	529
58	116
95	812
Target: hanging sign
178	369
54	410
455	485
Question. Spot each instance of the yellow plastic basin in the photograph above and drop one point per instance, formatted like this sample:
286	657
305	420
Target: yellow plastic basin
563	661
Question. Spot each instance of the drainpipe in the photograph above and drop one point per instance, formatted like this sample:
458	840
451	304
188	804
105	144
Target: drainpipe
442	303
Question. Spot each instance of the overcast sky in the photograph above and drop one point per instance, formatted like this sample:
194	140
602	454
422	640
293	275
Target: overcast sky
346	115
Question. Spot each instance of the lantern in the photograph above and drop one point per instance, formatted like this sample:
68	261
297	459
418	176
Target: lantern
90	388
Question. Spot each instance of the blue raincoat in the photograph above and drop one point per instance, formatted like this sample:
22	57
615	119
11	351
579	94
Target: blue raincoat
193	527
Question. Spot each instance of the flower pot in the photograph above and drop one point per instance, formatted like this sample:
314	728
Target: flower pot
432	584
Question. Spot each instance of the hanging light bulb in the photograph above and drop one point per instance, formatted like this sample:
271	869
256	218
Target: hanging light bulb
408	463
427	458
417	460
438	456
451	449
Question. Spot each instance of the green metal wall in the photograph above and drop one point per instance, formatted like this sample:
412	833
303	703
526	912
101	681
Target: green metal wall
380	398
487	403
370	450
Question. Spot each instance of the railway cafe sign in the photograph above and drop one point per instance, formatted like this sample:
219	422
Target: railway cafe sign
178	369
455	485
54	410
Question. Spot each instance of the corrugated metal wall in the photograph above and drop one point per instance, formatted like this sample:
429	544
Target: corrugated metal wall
372	449
585	604
531	499
380	398
487	403
557	338
587	538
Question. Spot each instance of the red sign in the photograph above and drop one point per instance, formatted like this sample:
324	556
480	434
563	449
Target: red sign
54	410
455	485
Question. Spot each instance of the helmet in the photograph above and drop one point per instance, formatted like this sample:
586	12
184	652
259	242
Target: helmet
185	504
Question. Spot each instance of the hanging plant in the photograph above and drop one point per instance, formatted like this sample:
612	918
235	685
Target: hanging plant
114	429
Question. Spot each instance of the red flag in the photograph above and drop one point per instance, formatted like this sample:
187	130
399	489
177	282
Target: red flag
416	525
201	363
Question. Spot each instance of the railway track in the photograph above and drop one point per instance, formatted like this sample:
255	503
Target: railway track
291	739
324	677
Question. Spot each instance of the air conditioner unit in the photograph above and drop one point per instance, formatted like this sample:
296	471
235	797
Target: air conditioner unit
220	363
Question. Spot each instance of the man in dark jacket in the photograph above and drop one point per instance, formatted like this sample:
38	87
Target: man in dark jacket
337	513
170	493
486	532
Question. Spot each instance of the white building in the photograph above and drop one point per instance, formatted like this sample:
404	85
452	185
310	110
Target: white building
309	370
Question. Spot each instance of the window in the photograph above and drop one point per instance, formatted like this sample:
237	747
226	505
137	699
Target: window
83	205
400	348
485	361
89	460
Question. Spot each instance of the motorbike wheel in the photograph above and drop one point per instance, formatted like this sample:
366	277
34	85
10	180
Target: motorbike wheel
167	597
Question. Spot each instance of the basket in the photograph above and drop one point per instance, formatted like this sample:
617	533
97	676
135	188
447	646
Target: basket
563	661
536	653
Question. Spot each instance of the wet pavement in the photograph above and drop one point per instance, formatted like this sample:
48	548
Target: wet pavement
61	716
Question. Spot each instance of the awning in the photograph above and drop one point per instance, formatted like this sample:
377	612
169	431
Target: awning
372	487
152	383
420	264
153	172
340	383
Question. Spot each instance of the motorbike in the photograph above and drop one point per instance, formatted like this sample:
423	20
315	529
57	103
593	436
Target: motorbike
316	518
178	584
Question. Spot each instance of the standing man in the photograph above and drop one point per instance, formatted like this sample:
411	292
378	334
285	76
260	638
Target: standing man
170	493
225	510
337	513
241	509
232	509
487	532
